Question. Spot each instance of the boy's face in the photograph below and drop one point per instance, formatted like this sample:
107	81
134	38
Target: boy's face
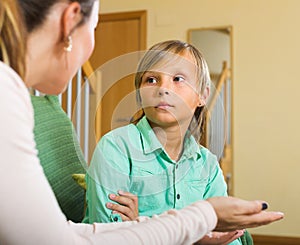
169	91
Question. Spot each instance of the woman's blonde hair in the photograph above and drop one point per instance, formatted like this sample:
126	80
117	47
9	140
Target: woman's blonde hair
12	36
164	51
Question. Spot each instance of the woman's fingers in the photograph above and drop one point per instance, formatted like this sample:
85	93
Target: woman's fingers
233	236
238	206
234	213
262	218
220	238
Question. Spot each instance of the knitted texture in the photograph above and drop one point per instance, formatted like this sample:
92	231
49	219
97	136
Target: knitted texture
60	154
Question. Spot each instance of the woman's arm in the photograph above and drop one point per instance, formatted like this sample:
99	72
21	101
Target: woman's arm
29	211
30	214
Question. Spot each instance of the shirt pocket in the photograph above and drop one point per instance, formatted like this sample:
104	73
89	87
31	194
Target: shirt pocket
145	182
150	186
195	189
152	204
148	202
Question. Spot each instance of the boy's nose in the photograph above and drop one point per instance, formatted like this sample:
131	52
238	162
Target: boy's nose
163	91
164	86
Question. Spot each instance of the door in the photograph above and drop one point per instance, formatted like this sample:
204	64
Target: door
116	35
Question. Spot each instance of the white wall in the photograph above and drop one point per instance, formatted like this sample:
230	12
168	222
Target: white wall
266	67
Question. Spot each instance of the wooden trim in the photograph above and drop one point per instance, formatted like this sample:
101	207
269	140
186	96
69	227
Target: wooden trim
232	106
224	29
141	41
87	69
143	28
122	15
224	75
275	240
140	15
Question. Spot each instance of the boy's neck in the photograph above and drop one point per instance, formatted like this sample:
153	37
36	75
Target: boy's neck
172	139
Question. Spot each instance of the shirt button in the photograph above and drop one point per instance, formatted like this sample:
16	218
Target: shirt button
116	219
178	196
176	166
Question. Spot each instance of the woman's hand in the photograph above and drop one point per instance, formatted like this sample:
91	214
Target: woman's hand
235	214
220	238
127	207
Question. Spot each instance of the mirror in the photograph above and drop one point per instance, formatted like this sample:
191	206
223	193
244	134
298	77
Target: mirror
216	46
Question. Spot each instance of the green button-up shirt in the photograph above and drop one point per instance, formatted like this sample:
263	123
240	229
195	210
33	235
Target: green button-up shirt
132	159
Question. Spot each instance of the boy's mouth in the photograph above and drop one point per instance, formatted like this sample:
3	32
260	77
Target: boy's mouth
163	105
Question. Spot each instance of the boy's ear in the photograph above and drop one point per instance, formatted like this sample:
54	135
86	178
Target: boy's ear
204	96
71	18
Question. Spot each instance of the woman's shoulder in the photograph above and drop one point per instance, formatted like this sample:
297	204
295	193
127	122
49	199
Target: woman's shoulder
8	73
12	88
17	118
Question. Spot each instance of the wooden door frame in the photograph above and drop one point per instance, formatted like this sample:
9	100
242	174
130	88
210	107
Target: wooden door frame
141	16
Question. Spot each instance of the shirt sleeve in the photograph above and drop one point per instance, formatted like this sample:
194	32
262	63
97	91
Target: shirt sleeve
29	212
216	185
108	173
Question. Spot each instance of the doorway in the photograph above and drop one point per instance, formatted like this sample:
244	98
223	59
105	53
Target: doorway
117	34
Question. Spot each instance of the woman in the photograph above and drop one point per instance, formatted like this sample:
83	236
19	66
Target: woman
60	40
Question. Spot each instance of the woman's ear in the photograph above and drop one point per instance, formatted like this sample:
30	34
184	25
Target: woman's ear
71	18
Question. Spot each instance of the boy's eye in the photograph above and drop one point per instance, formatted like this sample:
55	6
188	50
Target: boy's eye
178	79
151	80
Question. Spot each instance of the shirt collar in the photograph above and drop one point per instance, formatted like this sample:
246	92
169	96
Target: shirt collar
191	147
149	140
151	143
